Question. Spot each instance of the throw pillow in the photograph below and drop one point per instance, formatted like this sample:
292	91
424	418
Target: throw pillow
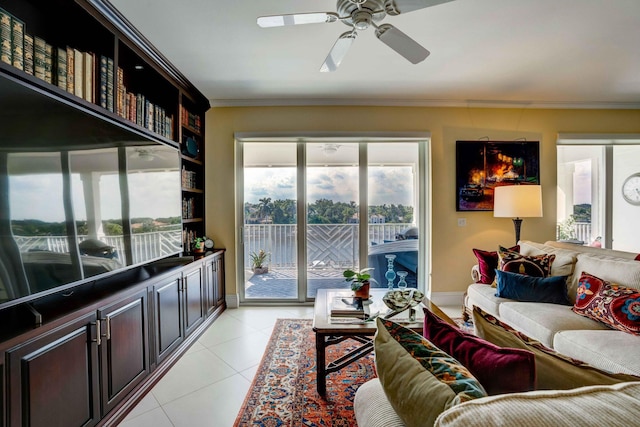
420	380
554	371
614	305
531	265
487	264
521	287
499	370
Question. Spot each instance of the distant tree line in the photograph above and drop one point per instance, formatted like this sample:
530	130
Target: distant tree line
111	227
322	211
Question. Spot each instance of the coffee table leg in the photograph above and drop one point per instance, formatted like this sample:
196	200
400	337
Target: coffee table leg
321	373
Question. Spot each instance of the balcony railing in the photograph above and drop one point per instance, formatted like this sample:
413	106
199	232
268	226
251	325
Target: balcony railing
145	246
331	244
582	232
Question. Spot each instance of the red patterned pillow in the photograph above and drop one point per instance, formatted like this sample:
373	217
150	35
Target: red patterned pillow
614	305
488	262
531	265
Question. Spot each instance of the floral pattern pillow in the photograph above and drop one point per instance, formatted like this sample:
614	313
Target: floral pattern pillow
614	305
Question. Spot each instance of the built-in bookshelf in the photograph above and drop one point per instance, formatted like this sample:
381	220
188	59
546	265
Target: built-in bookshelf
76	75
191	148
86	52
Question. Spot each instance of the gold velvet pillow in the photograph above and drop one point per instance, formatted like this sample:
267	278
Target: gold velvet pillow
419	380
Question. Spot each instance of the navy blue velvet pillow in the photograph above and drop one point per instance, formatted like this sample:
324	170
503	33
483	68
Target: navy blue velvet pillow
520	287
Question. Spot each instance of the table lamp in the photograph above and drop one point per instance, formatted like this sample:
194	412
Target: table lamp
517	202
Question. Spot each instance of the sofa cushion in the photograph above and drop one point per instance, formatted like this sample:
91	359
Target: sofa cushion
487	264
553	370
521	287
594	406
614	351
484	297
623	271
372	408
420	380
612	304
514	262
563	264
543	321
499	370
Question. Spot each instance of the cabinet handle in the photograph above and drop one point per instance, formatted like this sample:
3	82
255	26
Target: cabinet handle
107	334
98	339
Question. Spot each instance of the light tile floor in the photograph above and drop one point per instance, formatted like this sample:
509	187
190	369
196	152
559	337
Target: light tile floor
207	386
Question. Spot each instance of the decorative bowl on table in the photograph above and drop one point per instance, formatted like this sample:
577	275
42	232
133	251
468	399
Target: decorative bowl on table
400	300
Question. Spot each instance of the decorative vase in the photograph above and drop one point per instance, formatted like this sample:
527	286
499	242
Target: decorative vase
363	292
402	284
390	275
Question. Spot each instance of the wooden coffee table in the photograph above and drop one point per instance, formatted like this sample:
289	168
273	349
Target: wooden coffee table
328	333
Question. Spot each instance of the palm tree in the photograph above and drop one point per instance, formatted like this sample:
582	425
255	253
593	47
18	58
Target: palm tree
264	208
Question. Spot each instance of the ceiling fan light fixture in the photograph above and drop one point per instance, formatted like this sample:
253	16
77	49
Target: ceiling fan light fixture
330	149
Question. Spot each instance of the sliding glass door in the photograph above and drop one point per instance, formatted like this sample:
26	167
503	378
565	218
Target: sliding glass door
315	207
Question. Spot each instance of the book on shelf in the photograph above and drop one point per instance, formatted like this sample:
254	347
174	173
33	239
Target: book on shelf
39	57
110	86
48	63
28	53
5	37
70	70
77	72
17	43
61	68
88	76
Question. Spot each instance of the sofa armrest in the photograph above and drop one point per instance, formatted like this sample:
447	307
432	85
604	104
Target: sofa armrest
372	408
475	273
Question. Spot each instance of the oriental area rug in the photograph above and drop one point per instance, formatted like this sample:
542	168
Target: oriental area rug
283	392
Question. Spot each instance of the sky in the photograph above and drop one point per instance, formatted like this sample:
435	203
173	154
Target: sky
40	196
388	185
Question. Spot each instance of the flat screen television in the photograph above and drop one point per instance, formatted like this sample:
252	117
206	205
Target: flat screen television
80	198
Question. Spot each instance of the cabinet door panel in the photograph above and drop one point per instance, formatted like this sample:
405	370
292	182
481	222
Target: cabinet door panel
210	280
53	380
124	349
168	317
219	282
193	299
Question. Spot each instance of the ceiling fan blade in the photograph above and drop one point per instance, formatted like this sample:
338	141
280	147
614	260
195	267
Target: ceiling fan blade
401	43
297	19
338	52
396	7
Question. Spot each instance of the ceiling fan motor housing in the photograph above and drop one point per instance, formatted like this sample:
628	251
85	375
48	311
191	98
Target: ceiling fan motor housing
361	15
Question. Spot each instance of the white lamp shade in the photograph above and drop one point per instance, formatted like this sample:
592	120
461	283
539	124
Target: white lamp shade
517	201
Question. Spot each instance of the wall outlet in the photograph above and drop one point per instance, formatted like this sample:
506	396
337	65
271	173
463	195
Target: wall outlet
462	222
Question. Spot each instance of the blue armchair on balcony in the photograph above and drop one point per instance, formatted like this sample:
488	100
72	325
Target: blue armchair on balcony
406	252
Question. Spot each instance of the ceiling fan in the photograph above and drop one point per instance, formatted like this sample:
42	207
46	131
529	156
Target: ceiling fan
360	15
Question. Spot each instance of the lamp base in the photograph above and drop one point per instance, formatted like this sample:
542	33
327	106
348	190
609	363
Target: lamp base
517	223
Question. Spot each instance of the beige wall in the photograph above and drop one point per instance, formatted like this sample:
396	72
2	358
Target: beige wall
451	255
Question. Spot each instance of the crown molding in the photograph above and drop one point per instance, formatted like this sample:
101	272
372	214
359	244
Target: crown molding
440	103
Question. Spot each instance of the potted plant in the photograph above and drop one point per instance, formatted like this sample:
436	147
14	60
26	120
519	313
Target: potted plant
360	281
198	244
258	260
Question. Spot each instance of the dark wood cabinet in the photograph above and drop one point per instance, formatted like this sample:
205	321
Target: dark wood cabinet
193	297
53	379
168	316
124	347
215	286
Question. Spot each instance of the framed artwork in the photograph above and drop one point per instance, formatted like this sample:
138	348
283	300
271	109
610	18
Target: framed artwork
483	165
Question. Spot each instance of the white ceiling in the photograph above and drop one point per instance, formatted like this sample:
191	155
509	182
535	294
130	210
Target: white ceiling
545	53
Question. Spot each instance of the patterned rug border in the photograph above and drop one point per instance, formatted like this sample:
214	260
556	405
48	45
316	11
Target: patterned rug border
283	391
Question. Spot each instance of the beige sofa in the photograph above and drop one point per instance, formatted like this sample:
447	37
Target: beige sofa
557	327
